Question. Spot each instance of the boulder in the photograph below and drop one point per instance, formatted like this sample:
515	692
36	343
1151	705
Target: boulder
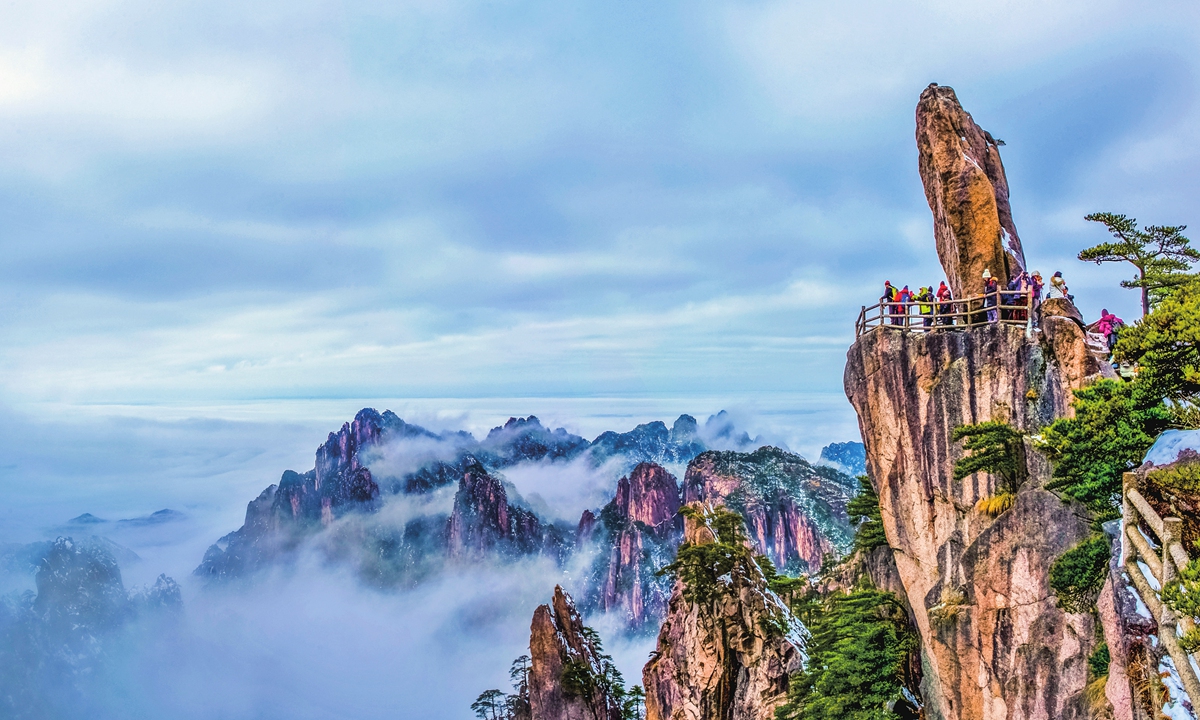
1062	307
967	191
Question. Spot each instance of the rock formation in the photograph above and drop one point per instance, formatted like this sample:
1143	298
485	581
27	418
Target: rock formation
484	521
995	645
795	512
967	192
639	531
652	442
566	672
731	658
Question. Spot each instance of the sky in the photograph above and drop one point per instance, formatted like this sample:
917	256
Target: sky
226	227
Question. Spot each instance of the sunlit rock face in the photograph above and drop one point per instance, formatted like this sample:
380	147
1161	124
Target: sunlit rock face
635	535
795	512
731	658
557	640
995	645
967	191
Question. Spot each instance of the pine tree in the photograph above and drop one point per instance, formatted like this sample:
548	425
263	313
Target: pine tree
490	705
995	448
1160	253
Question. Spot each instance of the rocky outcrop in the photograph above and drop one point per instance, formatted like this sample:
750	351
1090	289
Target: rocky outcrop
566	671
968	193
850	457
730	658
637	534
483	520
994	644
651	442
795	512
524	439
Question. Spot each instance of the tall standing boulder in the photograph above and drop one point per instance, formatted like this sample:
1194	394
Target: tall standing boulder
729	657
566	666
967	192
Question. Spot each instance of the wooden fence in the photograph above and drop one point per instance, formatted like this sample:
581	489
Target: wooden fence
1164	566
1010	307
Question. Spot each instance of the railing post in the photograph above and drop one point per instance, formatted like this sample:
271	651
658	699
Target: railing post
1129	518
1029	313
1172	533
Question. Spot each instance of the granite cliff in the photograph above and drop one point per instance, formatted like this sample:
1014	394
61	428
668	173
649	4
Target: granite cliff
635	535
994	643
728	654
795	512
569	676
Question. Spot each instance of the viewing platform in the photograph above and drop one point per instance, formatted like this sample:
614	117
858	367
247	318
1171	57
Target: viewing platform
1011	307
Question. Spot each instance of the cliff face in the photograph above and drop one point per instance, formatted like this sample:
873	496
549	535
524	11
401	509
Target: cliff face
968	193
995	645
730	658
483	521
795	513
638	533
563	658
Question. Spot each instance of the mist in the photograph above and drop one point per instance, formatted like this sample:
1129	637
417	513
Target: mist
310	638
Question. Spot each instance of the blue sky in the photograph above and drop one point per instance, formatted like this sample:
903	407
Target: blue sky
286	210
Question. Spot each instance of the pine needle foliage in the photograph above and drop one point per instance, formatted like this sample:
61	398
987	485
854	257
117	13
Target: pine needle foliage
1183	596
1160	254
1165	346
860	647
1077	575
1113	427
700	567
996	448
864	513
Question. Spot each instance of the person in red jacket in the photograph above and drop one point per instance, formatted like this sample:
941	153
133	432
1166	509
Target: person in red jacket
944	306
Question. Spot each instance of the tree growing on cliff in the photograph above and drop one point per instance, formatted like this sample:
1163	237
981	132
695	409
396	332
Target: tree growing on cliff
860	648
1165	345
1115	424
864	513
1161	255
700	566
996	448
490	705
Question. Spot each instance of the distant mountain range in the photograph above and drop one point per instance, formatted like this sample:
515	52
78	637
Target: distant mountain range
461	509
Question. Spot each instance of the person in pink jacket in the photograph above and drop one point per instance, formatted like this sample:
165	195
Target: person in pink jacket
1109	325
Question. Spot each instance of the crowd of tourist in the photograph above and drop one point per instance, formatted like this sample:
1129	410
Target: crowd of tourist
1014	302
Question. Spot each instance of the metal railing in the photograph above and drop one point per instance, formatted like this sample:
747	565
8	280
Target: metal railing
1164	567
1009	307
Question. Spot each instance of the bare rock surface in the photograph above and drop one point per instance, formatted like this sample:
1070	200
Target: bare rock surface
557	641
968	193
795	512
994	643
637	534
731	658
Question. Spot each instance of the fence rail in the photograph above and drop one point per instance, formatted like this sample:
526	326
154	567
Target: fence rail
1164	567
1010	307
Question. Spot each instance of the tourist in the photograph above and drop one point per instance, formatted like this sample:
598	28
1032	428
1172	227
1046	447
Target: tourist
1109	325
925	305
888	297
990	295
1035	287
1058	288
904	297
945	308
